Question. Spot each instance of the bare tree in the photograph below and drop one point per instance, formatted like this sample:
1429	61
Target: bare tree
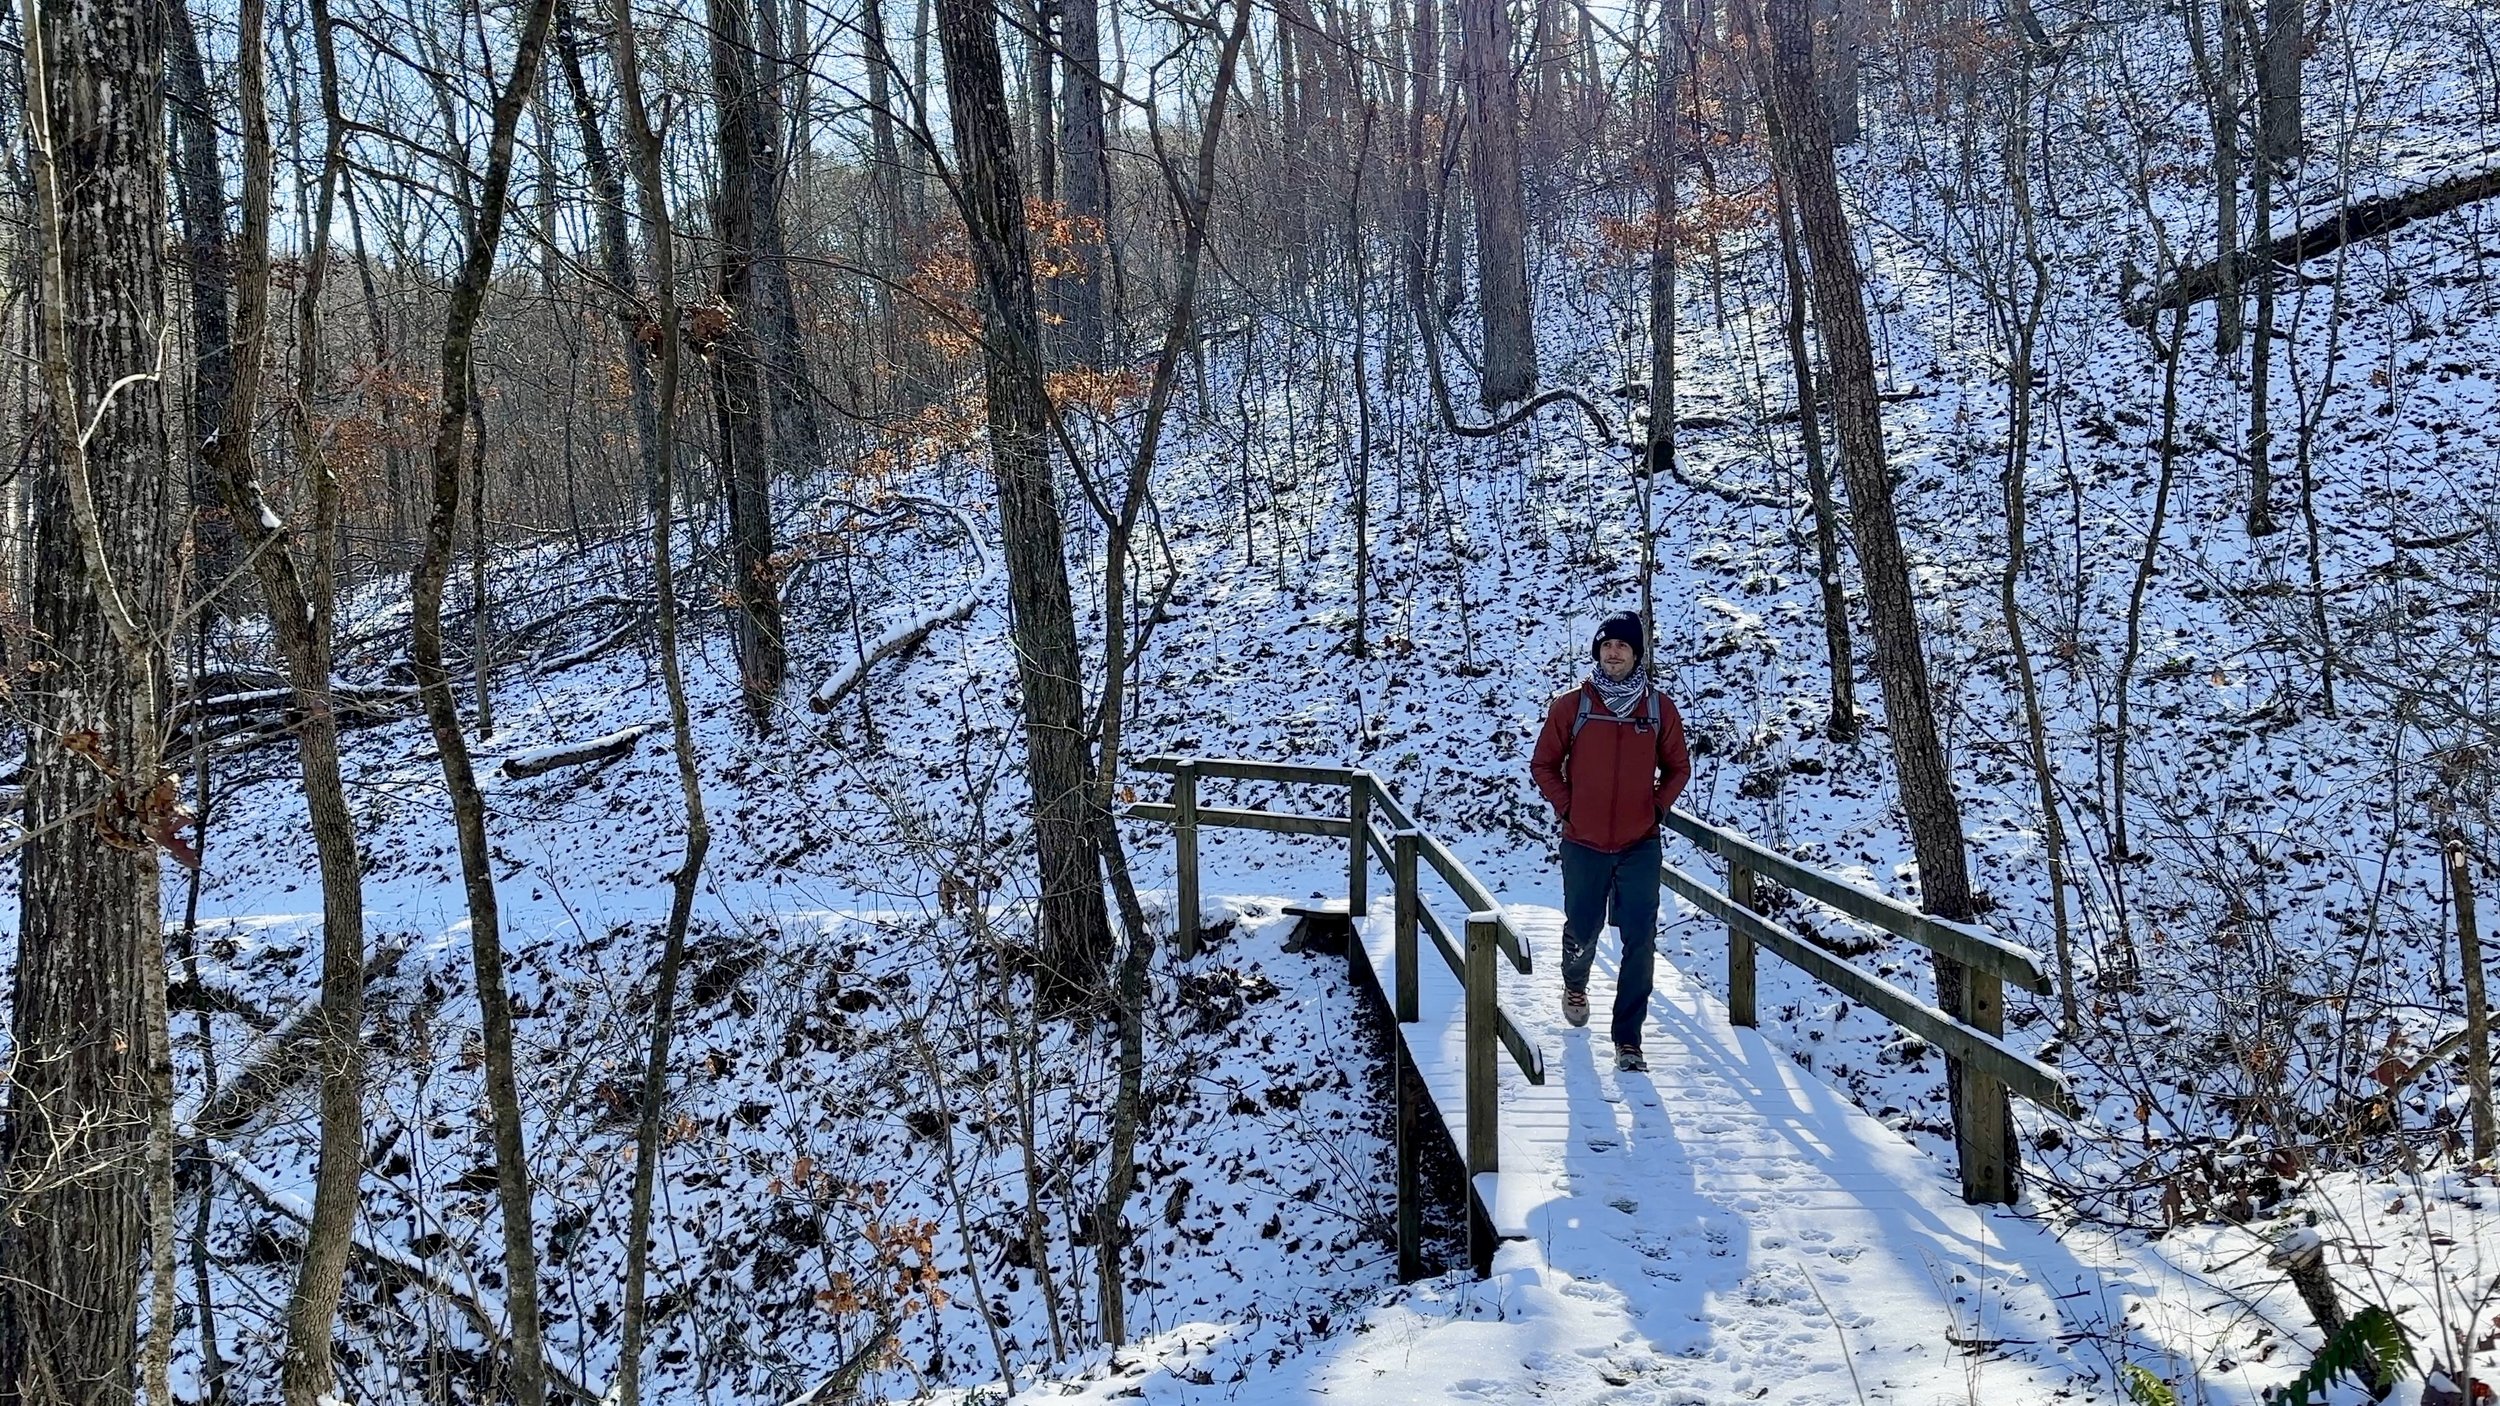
1085	182
1804	143
644	145
742	387
1075	923
298	582
89	1073
1501	209
468	803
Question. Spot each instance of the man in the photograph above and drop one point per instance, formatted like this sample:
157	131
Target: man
1611	761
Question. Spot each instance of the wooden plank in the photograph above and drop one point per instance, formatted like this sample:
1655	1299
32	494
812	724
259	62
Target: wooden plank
1441	939
1358	868
1400	818
1484	1143
1972	947
1247	769
1410	1165
1988	1175
1325	826
1185	858
1523	1051
1740	966
2020	1073
1402	884
1478	898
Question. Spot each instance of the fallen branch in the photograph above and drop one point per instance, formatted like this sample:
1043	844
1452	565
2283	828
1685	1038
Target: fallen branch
906	637
540	760
283	1059
634	625
391	1260
2361	219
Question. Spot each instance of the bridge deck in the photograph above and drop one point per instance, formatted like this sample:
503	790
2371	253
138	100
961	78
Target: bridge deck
1771	1215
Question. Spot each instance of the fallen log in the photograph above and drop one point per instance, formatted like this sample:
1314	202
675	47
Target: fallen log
540	760
489	1320
907	636
283	1057
2361	219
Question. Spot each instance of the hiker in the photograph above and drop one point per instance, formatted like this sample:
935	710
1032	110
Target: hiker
1611	761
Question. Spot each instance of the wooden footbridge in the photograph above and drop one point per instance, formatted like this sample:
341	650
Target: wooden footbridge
1721	1120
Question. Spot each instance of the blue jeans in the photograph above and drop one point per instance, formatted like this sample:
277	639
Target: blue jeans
1626	883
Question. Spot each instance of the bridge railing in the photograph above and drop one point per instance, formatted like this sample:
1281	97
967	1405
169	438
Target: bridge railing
1469	949
1972	1032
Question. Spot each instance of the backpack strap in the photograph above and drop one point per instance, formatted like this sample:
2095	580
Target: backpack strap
1657	710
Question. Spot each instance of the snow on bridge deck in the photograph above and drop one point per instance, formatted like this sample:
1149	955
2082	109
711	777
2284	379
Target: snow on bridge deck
1763	1232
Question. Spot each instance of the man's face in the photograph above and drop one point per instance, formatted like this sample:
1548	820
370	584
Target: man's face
1616	658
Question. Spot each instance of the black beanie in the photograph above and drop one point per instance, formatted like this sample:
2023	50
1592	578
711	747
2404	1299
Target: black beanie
1624	625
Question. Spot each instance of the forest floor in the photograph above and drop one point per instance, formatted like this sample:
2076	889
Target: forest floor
847	1151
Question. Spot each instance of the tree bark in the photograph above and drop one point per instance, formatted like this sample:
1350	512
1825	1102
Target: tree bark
2278	83
200	193
1501	213
2220	81
741	379
1085	180
468	804
1075	939
88	1074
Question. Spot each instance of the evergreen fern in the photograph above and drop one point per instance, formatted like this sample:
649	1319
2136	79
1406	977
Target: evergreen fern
2366	1349
2145	1389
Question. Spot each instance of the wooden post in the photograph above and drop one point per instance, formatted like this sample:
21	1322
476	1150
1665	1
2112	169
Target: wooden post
1358	859
1410	1167
1740	988
1988	1171
1483	1090
2477	1012
1185	858
1403	847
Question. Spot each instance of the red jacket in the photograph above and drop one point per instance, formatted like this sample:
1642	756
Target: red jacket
1612	783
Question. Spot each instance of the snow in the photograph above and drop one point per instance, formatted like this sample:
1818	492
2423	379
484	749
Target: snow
1792	1231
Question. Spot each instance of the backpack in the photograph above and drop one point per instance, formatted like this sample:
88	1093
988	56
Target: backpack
1657	715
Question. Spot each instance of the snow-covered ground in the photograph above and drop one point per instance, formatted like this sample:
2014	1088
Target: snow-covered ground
868	1122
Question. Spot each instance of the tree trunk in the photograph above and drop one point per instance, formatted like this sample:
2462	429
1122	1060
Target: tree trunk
1085	181
2029	306
200	191
2220	81
2278	83
1663	162
1803	138
1839	657
297	582
644	144
468	804
616	252
1847	33
1041	107
1501	213
2261	521
1075	940
87	1087
741	394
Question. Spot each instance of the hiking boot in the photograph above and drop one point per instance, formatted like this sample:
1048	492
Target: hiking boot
1628	1059
1575	1006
